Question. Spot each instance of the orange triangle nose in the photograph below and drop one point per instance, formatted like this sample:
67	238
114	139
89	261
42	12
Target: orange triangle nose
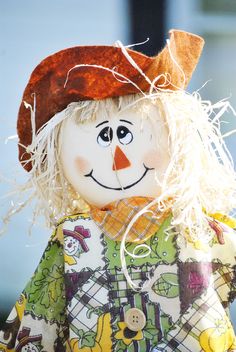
120	160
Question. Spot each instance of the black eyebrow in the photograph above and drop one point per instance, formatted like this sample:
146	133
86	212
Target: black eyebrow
101	123
126	121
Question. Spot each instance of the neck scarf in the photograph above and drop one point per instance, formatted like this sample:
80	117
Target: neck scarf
115	217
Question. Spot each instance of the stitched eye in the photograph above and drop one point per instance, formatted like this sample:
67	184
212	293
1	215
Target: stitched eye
105	137
124	135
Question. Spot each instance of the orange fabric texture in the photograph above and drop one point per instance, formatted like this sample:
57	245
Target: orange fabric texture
114	219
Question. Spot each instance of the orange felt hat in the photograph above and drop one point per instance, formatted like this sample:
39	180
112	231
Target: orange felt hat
56	82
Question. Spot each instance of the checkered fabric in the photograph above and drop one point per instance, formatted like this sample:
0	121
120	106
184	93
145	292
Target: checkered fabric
88	302
203	314
120	291
223	279
114	220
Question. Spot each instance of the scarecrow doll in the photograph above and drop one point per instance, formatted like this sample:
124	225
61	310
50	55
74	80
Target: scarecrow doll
133	173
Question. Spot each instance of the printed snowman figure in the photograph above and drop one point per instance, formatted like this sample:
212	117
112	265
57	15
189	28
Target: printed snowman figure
30	347
28	343
74	243
71	245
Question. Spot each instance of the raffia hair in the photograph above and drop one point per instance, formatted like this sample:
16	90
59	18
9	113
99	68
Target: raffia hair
199	180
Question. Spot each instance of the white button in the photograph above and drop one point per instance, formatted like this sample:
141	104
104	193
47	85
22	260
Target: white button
135	319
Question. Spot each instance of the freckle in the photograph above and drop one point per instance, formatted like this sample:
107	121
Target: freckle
82	165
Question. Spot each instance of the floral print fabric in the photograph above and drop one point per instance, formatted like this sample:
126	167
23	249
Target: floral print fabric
78	297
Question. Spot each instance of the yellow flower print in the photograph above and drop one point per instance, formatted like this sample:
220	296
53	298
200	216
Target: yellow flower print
3	348
198	244
20	306
219	338
229	221
126	335
69	259
102	340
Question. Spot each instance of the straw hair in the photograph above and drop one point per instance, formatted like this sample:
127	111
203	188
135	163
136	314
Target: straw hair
199	180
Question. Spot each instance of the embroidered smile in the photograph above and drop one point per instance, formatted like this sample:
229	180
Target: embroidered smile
120	188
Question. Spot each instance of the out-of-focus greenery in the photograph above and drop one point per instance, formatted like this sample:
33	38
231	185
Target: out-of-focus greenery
219	6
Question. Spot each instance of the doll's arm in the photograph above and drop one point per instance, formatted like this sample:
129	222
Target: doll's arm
38	317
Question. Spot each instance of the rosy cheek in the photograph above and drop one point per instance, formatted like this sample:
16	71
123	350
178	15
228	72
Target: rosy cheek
82	165
152	159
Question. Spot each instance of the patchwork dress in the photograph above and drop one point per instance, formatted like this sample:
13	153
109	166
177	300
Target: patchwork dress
78	299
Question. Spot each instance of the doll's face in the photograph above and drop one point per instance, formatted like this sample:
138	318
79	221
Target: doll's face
71	245
110	159
29	347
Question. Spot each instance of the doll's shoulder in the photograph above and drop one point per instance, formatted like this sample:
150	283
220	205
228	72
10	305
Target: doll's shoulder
218	246
69	222
81	238
78	221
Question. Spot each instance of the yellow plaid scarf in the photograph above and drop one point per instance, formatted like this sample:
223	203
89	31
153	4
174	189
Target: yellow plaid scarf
115	217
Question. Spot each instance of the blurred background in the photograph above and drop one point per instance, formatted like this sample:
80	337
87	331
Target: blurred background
32	29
